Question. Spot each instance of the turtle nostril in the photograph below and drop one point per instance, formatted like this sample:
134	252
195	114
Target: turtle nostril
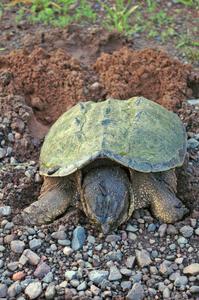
178	205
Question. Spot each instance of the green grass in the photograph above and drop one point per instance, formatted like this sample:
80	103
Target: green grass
58	13
118	16
189	3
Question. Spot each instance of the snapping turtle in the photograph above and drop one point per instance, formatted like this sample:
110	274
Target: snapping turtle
112	157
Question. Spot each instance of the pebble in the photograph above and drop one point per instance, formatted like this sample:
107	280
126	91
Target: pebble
130	261
82	286
59	235
41	270
3	290
18	276
166	293
97	276
162	230
194	289
143	258
33	290
181	281
35	244
14	289
186	231
67	251
114	274
32	257
79	237
5	211
17	246
50	291
192	269
136	293
192	143
70	275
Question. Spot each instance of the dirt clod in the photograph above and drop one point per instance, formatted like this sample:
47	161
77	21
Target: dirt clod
150	73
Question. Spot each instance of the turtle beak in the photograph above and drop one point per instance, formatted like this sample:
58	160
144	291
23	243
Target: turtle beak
105	228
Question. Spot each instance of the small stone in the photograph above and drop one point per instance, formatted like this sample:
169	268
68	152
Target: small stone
143	258
151	227
126	285
114	274
165	268
35	244
91	239
192	143
2	248
74	283
67	251
14	289
181	240
9	225
186	231
59	235
94	290
166	293
112	238
181	281
171	229
41	270
12	266
79	237
50	292
82	286
33	290
18	276
136	293
3	290
132	236
126	272
70	275
192	269
5	211
130	261
197	231
97	276
162	230
32	257
17	246
194	289
64	242
131	228
48	278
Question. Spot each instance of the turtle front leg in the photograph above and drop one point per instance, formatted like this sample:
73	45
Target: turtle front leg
158	191
55	197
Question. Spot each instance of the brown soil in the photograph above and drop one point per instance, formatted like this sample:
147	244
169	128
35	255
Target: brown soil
52	82
149	72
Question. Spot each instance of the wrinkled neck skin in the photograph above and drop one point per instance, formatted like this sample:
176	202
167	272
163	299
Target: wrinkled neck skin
106	196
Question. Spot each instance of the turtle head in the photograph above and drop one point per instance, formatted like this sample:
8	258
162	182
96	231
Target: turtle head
106	196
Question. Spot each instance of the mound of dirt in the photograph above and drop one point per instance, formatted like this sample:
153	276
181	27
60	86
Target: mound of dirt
51	82
150	73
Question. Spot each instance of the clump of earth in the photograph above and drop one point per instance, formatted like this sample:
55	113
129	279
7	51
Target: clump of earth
65	260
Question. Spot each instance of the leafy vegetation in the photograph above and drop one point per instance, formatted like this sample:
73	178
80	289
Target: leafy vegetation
57	12
118	16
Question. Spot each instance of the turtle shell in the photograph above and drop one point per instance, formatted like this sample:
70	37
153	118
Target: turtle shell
137	133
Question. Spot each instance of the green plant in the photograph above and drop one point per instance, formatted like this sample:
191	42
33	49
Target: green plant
1	10
160	18
118	16
192	54
168	32
186	40
151	5
189	3
57	12
85	11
